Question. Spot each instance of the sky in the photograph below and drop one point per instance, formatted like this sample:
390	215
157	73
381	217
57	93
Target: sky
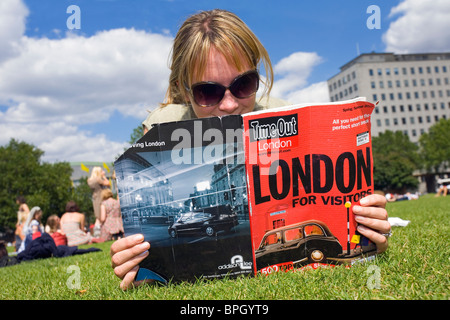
78	93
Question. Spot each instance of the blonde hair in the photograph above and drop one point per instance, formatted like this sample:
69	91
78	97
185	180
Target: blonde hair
106	194
96	172
222	30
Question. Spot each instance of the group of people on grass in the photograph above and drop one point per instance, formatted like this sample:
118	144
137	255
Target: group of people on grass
70	229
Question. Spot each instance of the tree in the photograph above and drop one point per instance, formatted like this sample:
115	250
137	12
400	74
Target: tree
137	133
395	158
435	145
43	184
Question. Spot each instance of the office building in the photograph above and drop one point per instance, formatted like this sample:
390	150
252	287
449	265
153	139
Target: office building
413	90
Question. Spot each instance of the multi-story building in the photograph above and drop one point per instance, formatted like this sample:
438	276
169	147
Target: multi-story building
413	90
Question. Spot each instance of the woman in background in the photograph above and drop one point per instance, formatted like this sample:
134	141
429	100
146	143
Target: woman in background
97	182
110	217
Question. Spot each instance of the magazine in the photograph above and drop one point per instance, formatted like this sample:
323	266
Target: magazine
256	193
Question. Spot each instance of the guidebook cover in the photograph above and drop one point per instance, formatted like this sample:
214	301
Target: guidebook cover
260	192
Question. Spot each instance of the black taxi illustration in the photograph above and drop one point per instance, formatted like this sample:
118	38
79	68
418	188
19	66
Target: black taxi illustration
301	243
207	221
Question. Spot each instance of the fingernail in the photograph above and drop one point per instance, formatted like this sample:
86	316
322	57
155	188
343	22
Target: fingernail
360	218
363	201
361	228
138	237
143	254
143	245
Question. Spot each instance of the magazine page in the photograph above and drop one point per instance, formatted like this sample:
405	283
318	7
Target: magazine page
183	187
306	166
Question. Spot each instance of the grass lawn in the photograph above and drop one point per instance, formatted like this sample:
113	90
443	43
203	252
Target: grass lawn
416	266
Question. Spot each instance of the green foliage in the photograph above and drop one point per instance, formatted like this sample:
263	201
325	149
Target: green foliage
46	185
435	145
137	133
395	158
82	195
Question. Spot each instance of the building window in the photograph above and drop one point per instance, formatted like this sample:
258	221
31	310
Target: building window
420	70
379	71
420	119
370	72
412	70
388	71
378	123
386	122
403	120
393	109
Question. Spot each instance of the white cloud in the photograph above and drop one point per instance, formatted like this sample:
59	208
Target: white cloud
421	26
49	87
292	75
12	26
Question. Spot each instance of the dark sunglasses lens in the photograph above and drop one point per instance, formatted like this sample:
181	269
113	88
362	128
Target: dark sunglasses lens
245	85
208	94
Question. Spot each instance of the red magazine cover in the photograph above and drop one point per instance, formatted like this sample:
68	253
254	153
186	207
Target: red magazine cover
306	166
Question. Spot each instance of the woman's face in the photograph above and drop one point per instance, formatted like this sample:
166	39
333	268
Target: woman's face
220	71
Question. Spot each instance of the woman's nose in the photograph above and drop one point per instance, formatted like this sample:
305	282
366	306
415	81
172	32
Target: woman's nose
229	103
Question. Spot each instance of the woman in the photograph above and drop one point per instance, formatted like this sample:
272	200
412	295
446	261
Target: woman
110	217
22	214
216	48
72	225
54	230
31	226
97	182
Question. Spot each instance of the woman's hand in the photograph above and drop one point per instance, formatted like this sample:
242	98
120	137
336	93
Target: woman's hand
126	254
372	218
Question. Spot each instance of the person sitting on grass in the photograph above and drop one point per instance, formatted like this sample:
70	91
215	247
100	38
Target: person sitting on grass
72	225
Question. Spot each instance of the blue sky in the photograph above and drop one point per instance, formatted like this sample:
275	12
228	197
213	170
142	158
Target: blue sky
78	94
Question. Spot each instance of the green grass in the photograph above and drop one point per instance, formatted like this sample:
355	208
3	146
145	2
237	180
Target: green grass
416	266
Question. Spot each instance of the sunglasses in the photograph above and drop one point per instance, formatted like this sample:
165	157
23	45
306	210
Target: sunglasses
208	93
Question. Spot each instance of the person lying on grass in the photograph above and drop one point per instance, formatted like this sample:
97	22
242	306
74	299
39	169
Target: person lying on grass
217	47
